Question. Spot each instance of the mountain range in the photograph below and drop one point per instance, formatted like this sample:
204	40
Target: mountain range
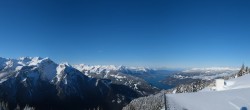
44	84
29	83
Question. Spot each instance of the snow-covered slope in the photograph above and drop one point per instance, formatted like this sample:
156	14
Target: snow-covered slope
234	96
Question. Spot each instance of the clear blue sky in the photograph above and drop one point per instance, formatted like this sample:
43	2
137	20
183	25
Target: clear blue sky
158	33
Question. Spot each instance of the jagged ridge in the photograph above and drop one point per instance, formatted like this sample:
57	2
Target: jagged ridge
44	84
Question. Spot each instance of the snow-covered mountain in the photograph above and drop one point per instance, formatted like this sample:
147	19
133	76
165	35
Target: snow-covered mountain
209	69
41	83
98	69
45	66
121	75
207	73
44	84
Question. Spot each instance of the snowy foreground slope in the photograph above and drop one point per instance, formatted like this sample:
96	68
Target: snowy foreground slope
233	96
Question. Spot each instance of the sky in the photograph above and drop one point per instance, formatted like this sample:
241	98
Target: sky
154	33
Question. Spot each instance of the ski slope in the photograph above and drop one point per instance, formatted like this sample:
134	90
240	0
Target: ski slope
235	95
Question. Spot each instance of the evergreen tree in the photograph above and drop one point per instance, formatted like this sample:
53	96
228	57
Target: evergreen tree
242	70
242	67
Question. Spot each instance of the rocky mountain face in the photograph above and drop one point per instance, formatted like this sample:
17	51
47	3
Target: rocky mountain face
44	84
121	75
98	69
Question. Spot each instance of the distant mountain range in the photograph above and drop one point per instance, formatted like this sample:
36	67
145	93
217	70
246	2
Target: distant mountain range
44	84
206	73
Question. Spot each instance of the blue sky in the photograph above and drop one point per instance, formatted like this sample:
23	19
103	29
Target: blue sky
157	33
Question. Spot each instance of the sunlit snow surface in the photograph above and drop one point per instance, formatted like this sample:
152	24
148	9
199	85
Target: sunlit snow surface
234	96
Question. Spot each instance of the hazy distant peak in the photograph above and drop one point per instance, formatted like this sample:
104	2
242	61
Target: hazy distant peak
212	69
